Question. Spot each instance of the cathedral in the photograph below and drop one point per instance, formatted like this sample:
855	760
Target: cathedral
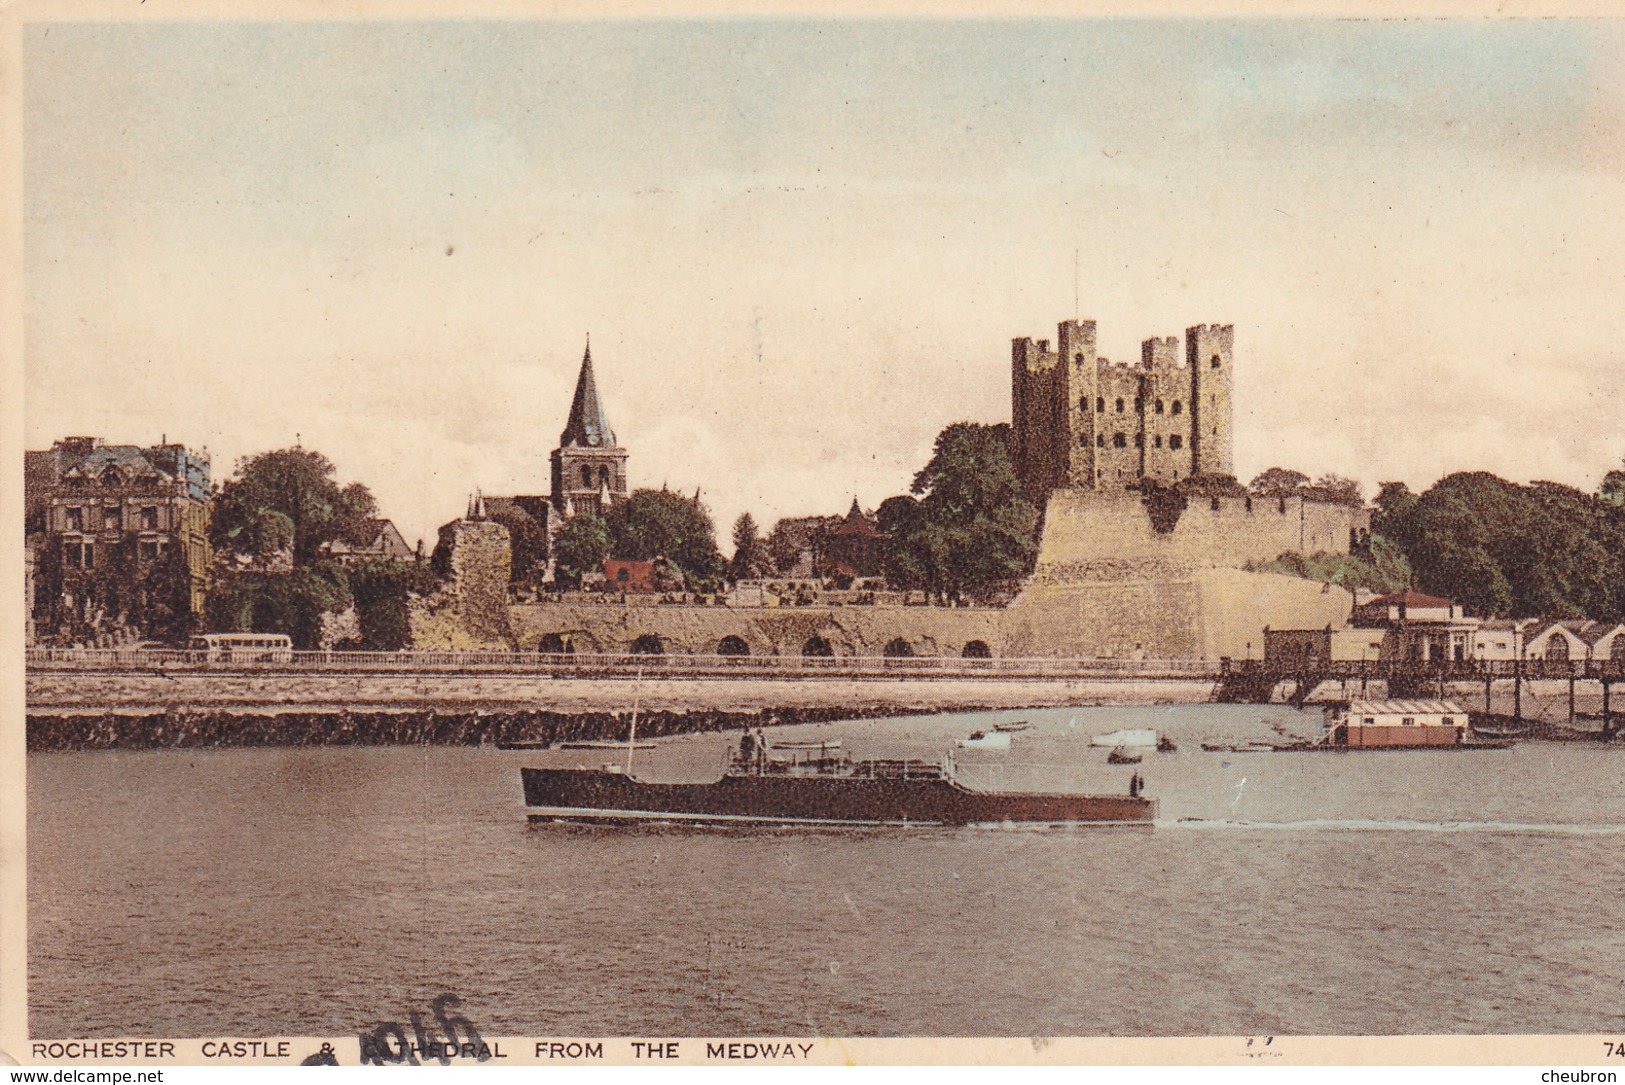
589	466
588	476
1083	422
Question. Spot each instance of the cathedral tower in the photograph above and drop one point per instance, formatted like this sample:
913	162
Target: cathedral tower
589	467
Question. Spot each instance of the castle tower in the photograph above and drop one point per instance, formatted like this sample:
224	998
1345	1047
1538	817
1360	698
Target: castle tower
1033	401
1208	353
1077	398
1165	399
589	467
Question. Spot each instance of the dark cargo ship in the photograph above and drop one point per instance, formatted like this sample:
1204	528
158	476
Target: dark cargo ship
815	786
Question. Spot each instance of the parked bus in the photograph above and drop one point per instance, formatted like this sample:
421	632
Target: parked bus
244	647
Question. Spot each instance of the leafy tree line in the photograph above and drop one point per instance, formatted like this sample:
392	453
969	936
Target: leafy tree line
964	531
270	526
648	524
1507	550
1499	548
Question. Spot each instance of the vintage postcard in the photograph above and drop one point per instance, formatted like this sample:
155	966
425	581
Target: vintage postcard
735	537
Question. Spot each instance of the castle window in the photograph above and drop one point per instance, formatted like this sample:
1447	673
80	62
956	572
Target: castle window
1159	440
76	518
149	518
1159	406
1249	504
1139	404
1083	440
1119	406
1176	441
1100	440
1213	503
1078	357
603	474
1179	408
1139	440
586	474
1119	441
1083	404
1215	361
1100	403
1280	505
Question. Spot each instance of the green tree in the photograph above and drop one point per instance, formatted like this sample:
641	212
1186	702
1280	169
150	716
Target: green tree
1612	490
1344	491
659	523
750	552
973	530
527	547
291	603
1505	549
1395	507
899	518
287	498
1278	482
382	590
581	547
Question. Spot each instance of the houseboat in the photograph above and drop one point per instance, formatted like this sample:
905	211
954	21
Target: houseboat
1395	724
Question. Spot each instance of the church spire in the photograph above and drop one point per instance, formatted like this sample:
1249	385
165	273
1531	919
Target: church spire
587	427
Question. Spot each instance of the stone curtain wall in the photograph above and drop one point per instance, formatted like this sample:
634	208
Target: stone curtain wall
1107	586
783	631
1087	535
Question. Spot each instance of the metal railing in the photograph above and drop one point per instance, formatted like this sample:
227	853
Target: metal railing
615	663
600	663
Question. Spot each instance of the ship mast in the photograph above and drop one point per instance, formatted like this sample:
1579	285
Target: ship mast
632	731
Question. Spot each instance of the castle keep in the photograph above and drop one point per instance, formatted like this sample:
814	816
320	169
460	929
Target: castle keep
1083	422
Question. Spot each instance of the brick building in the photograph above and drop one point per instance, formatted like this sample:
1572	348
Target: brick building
121	539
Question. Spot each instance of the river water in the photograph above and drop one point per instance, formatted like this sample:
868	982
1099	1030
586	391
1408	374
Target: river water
319	891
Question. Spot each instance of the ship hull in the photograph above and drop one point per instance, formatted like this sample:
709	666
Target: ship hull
595	795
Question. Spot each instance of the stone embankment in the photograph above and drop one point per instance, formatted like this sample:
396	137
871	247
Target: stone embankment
155	710
190	730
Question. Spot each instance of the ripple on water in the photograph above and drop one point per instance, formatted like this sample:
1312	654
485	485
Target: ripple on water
327	889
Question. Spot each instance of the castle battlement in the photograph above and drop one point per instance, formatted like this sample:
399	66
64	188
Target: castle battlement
1082	421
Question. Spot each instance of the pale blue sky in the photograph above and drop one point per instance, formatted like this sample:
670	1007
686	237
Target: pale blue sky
803	247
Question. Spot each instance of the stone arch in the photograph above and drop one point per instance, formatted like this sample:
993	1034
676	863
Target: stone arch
817	647
977	649
732	645
649	644
898	648
553	644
